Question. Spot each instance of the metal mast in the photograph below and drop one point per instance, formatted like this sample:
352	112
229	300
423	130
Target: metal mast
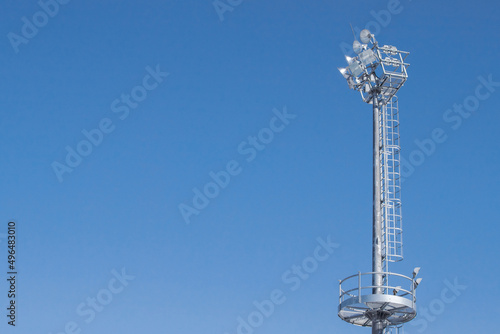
378	73
377	258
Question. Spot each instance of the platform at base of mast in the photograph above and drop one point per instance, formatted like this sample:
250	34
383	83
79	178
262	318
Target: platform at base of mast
394	304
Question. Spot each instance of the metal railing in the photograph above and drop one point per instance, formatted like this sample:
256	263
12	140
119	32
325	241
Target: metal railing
357	289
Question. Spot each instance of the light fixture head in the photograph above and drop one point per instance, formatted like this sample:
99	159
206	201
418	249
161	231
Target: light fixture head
343	71
355	67
396	290
367	57
416	271
417	282
357	46
365	36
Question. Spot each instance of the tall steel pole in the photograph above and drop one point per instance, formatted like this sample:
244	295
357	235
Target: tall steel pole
378	320
378	72
377	217
378	327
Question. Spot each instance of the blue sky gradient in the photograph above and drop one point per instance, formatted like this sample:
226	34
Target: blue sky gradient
227	80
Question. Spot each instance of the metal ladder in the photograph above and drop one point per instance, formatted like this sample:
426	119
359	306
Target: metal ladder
389	141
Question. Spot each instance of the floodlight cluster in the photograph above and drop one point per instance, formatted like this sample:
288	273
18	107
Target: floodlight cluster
375	71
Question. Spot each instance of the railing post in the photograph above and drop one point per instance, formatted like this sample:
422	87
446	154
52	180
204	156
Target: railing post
413	293
340	292
359	287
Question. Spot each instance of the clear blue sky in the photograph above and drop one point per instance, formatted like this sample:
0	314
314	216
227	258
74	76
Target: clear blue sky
119	206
